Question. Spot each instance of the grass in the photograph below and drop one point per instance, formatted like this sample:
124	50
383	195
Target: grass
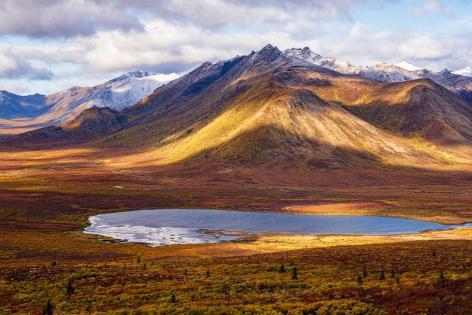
144	280
43	252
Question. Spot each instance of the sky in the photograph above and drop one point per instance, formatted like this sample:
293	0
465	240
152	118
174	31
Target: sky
50	45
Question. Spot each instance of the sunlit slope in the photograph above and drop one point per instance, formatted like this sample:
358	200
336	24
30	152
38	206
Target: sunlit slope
269	108
419	108
287	126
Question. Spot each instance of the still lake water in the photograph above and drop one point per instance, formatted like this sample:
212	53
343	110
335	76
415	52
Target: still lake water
194	226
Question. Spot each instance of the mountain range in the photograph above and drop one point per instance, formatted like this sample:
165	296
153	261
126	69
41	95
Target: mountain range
23	113
276	108
459	82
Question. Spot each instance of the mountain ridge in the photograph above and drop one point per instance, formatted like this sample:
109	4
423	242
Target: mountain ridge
459	84
117	93
271	108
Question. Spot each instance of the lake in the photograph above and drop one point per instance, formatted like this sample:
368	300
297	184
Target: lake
196	226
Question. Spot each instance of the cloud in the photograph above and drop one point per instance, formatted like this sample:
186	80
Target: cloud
69	18
14	67
89	41
431	6
63	18
220	13
421	46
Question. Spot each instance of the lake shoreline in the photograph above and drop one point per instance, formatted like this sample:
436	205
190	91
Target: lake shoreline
177	233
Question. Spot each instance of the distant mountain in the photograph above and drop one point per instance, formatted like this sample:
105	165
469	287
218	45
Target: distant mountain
39	110
14	106
90	123
459	84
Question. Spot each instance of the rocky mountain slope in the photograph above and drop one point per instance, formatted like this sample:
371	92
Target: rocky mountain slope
276	109
56	108
457	82
89	124
14	106
268	107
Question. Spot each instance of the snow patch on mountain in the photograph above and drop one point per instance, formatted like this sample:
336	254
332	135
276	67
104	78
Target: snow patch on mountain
126	90
327	62
459	82
407	66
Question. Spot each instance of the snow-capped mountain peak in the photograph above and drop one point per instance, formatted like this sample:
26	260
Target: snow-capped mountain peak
459	82
407	66
303	53
327	62
125	90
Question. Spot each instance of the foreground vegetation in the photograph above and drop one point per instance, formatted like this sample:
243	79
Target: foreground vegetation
406	278
48	266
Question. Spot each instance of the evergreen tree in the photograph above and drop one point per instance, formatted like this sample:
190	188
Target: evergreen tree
294	273
70	288
282	268
382	275
173	299
364	272
48	308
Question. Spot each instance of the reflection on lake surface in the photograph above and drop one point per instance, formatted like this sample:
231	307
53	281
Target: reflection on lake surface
195	226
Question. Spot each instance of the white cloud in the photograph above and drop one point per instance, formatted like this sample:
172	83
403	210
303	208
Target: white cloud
431	6
13	66
422	46
176	35
62	18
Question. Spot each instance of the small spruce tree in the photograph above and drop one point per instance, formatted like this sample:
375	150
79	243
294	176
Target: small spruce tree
70	288
382	275
48	308
294	273
282	268
173	299
365	273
